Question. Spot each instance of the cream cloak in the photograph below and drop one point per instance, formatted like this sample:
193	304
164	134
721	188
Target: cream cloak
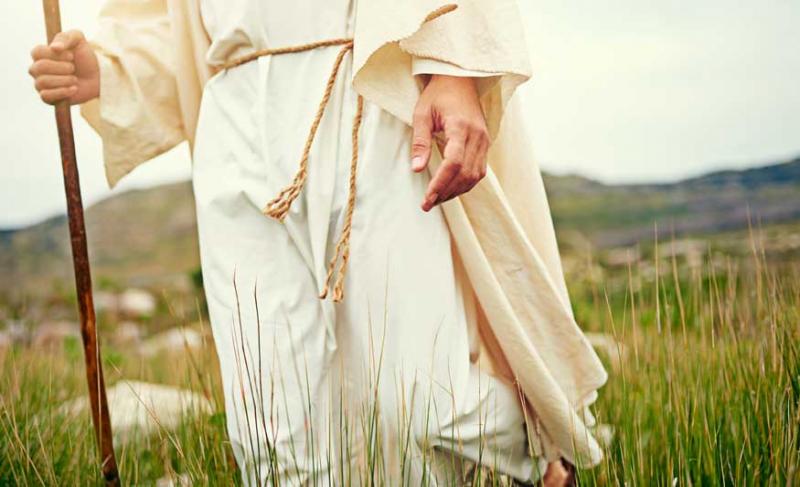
153	68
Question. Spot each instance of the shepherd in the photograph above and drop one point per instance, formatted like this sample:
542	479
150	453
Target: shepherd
382	276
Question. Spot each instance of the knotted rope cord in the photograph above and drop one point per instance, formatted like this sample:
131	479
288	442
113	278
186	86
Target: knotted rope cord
343	246
279	206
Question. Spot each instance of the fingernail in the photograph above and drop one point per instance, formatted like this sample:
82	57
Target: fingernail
416	162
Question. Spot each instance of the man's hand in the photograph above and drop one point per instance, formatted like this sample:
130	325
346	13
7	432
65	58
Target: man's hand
449	104
66	69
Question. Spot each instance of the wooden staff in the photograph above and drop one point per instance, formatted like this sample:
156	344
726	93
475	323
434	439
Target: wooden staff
83	278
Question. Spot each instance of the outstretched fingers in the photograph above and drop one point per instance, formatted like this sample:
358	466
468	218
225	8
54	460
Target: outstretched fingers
464	163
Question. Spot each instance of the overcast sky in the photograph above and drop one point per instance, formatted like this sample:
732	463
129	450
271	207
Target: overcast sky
623	91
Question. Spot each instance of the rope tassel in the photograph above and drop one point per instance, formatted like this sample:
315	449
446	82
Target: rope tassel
279	206
343	246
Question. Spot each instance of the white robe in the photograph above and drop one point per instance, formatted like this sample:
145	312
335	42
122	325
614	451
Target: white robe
399	339
153	69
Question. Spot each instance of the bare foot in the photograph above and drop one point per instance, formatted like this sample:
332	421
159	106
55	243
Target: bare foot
557	476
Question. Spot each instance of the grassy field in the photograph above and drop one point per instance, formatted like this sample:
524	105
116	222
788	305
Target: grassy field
706	390
704	384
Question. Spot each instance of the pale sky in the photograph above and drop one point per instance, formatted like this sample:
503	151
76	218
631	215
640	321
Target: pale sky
623	91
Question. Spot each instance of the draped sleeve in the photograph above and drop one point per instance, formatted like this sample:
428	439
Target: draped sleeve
425	67
138	113
484	36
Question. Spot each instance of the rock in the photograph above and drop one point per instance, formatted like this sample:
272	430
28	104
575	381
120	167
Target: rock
141	408
18	331
137	302
52	335
127	333
174	340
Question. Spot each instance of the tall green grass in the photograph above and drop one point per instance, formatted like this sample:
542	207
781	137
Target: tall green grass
704	386
39	446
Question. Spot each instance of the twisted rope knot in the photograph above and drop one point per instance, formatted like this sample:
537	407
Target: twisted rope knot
279	206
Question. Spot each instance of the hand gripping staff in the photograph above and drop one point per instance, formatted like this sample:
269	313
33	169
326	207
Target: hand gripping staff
83	279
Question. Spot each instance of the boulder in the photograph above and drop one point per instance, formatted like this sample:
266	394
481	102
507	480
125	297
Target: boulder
142	408
136	302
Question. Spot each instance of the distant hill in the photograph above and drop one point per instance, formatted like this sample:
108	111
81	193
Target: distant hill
149	236
611	215
775	174
142	235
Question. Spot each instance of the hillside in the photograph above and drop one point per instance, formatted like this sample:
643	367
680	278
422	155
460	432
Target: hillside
149	236
612	215
142	235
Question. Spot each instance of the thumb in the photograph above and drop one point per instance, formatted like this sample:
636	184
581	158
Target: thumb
421	139
66	40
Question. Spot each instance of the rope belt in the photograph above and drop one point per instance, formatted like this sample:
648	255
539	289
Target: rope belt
279	206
